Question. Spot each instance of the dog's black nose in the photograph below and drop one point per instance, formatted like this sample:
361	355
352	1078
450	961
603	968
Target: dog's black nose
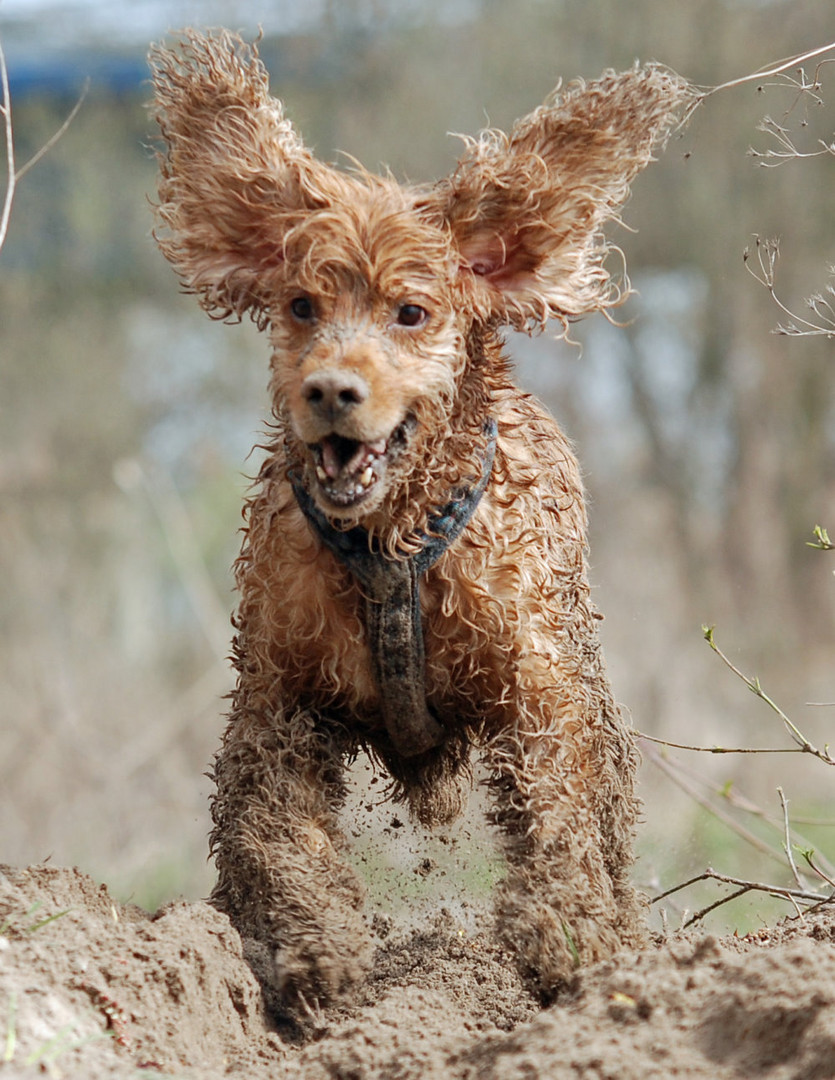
332	393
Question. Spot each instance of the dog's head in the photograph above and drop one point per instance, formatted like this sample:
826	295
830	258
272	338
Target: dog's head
373	293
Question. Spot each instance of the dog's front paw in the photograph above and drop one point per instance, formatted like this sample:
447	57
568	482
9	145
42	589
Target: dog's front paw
319	965
309	963
557	921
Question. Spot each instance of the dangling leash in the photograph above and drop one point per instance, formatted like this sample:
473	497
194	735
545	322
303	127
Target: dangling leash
392	604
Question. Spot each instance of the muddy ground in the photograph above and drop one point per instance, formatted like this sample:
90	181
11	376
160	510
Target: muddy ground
91	988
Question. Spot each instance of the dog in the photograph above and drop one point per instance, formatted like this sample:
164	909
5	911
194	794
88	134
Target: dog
413	576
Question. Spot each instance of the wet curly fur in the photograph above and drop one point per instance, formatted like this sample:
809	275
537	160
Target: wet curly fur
384	306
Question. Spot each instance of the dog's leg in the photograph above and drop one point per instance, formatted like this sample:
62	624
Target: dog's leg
277	845
564	798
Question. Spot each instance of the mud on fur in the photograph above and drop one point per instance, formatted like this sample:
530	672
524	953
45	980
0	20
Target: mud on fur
394	413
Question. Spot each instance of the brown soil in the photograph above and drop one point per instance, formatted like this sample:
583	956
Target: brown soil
91	988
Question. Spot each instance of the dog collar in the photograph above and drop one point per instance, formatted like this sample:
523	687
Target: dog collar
391	588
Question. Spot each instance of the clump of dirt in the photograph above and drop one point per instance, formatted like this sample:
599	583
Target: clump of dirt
91	988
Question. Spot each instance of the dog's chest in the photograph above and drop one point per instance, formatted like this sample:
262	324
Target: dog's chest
320	636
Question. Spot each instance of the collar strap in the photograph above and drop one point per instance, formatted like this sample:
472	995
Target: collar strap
392	603
359	553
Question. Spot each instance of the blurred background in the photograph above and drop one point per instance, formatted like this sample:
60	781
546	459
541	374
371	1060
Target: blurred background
126	416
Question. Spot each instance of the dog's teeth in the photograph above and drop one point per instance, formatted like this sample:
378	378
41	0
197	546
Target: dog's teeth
367	477
321	474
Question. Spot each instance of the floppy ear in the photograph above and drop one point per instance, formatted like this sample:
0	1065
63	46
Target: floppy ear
233	172
527	210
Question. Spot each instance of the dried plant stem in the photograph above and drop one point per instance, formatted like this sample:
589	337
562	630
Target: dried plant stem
716	904
822	304
53	139
787	841
742	887
802	744
688	782
753	684
778	69
6	111
809	856
675	774
789	151
14	174
721	749
768	252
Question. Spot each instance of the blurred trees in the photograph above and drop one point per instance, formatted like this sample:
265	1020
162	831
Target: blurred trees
125	417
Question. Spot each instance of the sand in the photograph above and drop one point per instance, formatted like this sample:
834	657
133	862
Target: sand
92	988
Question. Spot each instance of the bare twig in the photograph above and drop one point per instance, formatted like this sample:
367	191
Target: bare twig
774	71
53	139
759	886
702	789
723	749
768	253
809	856
789	151
802	894
675	774
821	304
802	744
787	842
780	68
6	111
702	912
14	174
743	887
753	684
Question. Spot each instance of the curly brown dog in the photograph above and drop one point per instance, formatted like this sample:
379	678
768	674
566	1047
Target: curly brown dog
413	574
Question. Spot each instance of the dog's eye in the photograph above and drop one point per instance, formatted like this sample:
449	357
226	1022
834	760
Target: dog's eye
412	315
302	308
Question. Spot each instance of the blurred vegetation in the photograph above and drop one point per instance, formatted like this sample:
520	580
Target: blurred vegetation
126	418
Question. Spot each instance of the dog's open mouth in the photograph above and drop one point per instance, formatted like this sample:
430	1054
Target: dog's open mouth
348	471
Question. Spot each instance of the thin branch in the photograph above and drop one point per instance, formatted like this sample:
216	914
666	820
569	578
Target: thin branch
768	253
47	146
702	912
769	73
742	887
14	175
679	888
722	749
802	894
790	151
787	841
754	686
771	159
6	110
674	774
809	856
688	782
741	802
759	886
779	69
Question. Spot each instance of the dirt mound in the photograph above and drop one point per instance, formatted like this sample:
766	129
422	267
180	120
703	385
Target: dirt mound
90	988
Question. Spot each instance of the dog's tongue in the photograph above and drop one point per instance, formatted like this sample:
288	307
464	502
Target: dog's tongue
336	464
331	462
